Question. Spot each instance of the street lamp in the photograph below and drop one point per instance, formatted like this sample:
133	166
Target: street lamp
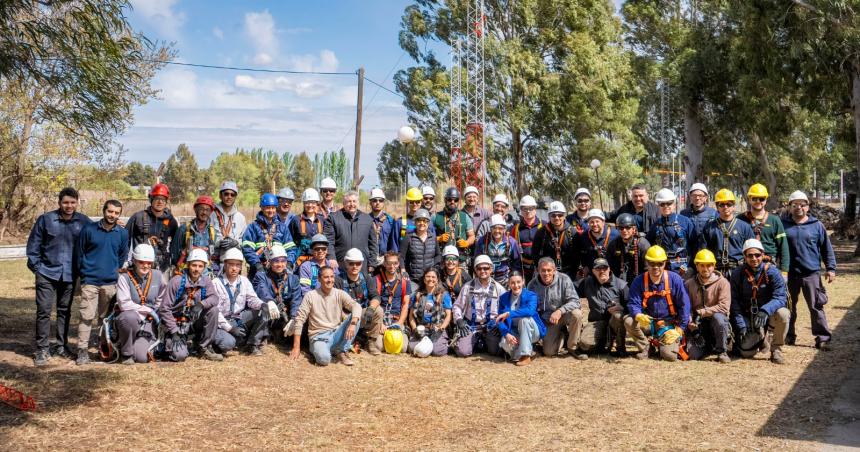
594	165
405	135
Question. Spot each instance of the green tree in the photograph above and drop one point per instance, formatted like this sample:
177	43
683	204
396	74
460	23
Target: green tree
335	165
238	167
302	175
138	174
182	174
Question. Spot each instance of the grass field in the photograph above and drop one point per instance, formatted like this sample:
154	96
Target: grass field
401	402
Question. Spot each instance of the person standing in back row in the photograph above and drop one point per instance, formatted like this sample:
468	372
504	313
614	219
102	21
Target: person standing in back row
155	225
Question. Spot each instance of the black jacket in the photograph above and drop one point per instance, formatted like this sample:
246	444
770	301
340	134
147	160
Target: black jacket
645	220
417	256
345	231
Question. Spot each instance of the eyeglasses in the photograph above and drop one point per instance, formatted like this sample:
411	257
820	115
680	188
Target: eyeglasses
666	204
328	190
556	215
483	268
754	255
228	194
724	205
421	220
757	199
286	201
527	209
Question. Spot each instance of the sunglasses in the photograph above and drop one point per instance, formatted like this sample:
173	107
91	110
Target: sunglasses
228	194
320	248
429	198
527	209
556	215
327	190
377	200
624	228
656	264
286	201
452	199
754	255
483	268
354	264
723	205
451	259
583	201
757	199
414	202
666	204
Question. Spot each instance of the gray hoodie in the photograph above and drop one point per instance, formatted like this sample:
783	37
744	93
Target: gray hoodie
560	294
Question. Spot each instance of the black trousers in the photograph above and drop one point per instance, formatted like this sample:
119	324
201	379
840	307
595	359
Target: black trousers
50	293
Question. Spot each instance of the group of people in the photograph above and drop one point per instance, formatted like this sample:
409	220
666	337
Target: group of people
682	285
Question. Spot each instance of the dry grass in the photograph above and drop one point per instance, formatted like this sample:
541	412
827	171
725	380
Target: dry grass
400	402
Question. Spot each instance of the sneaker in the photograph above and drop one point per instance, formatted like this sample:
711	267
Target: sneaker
83	357
60	351
344	359
641	355
256	350
580	355
824	346
524	361
42	357
127	361
724	358
208	353
776	356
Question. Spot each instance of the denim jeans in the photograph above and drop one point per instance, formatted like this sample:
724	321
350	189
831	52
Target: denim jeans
527	333
332	342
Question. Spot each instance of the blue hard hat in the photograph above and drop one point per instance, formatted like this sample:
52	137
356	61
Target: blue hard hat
268	200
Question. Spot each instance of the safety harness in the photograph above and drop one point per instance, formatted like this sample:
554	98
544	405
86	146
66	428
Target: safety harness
659	327
360	296
500	256
378	222
431	303
225	228
526	246
191	231
305	242
232	295
387	289
488	314
557	243
631	249
755	283
182	316
726	262
159	242
600	249
454	285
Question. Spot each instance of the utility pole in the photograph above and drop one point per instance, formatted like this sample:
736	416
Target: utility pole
358	111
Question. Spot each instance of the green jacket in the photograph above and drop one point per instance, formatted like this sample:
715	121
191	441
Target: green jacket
457	227
771	234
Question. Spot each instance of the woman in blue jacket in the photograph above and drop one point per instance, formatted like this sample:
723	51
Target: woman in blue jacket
518	320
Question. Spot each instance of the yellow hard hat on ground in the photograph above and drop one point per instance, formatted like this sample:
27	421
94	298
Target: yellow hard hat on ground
757	191
414	194
705	257
656	254
392	341
725	195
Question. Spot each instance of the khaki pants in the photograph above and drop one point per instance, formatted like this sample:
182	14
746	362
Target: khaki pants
570	325
778	322
667	352
594	334
94	305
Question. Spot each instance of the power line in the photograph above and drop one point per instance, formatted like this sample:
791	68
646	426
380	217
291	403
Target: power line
249	69
386	89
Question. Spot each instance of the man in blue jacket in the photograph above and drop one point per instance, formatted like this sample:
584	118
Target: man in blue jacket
102	249
758	304
726	234
264	233
281	287
675	233
50	249
699	212
518	321
808	246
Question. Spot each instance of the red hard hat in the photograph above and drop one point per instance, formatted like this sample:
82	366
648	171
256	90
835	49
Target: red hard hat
205	199
160	190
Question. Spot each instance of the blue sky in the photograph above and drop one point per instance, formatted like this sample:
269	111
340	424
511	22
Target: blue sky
217	110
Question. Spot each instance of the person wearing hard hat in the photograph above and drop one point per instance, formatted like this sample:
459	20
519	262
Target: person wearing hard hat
139	294
199	232
476	309
452	276
557	240
428	199
328	188
50	256
348	228
230	224
189	310
607	296
626	253
330	333
519	323
430	314
101	250
725	235
395	295
699	212
710	300
280	291
285	205
154	225
594	243
406	223
644	211
675	233
303	227
477	213
500	207
758	305
559	307
356	282
310	269
386	227
454	227
265	233
768	229
243	319
579	217
418	250
659	308
502	249
809	245
524	232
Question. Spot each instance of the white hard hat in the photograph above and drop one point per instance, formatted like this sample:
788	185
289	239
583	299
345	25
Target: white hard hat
665	195
752	243
354	255
797	196
450	250
428	190
423	348
557	207
197	254
377	193
470	189
581	191
311	195
483	259
229	185
328	183
497	220
501	197
286	193
698	186
528	201
277	251
595	213
233	254
144	253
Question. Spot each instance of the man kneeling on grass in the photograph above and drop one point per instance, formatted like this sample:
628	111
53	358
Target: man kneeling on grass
330	330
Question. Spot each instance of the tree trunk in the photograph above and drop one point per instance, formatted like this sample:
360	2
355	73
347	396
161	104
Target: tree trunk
769	177
695	146
16	183
855	106
517	156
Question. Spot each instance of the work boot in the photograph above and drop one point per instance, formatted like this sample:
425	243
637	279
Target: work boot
373	348
256	351
642	355
208	353
580	355
343	359
776	355
61	351
824	346
83	357
790	340
524	361
724	358
42	357
127	361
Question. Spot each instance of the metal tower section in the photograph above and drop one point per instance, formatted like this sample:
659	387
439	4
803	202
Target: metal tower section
456	120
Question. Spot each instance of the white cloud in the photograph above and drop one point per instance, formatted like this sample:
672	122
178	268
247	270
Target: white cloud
161	15
304	88
260	29
218	32
262	58
178	87
326	61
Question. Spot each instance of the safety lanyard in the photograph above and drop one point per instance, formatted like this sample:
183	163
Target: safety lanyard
601	249
557	243
279	287
490	293
353	286
144	292
232	294
635	253
726	231
757	224
227	227
755	283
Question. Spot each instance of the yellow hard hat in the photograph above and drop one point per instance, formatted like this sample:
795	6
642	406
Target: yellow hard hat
757	191
705	257
656	254
725	195
414	194
392	341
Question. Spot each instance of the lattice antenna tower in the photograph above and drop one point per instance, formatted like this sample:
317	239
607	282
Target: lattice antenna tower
456	111
475	89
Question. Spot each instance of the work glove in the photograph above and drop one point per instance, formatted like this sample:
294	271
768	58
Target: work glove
197	310
237	332
644	320
288	328
760	320
174	339
462	243
443	238
260	267
226	243
274	311
671	336
462	329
